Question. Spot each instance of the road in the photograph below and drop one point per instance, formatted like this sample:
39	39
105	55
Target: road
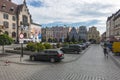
92	65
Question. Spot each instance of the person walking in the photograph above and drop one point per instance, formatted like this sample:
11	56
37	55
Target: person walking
105	51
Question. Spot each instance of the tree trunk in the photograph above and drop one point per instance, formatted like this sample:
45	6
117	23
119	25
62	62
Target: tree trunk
3	48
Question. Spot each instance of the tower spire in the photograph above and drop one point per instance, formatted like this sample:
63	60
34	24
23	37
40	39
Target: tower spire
24	2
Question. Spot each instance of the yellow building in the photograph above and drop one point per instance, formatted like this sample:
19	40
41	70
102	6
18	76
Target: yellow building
93	35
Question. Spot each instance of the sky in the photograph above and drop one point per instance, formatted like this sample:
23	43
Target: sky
72	13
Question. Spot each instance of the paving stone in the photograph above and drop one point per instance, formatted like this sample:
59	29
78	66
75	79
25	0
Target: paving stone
90	66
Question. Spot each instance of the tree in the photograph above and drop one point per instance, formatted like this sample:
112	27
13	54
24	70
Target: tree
50	40
79	39
55	40
47	46
43	39
73	39
67	39
5	40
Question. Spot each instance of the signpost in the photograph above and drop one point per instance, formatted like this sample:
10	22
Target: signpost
21	36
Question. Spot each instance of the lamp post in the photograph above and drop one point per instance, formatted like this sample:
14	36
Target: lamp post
21	36
21	41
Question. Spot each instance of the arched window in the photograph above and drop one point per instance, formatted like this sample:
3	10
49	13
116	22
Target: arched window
13	34
25	35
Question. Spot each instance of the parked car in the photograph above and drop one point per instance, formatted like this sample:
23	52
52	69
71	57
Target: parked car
83	45
51	55
72	48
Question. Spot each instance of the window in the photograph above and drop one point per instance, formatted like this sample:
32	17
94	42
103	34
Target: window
6	24
3	6
25	20
13	26
13	34
12	9
13	18
5	16
25	35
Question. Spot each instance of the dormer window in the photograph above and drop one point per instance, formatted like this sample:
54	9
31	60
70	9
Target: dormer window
3	6
12	9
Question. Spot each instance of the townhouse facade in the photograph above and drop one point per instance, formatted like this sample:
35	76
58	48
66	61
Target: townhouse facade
82	33
93	35
15	19
103	37
113	27
60	33
55	33
47	33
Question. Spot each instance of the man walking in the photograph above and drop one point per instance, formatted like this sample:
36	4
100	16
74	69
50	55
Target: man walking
105	51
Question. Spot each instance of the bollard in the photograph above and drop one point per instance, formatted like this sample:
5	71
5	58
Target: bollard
7	63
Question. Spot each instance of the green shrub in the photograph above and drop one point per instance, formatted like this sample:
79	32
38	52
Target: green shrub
65	44
47	46
71	42
31	46
58	45
76	42
40	47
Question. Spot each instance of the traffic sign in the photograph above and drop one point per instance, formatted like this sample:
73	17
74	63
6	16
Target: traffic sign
21	36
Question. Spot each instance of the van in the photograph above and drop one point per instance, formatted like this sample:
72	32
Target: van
116	47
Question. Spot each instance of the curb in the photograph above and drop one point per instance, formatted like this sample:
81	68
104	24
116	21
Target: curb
117	62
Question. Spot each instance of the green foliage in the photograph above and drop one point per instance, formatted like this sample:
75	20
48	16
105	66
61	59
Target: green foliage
55	40
40	47
65	44
58	45
5	40
43	39
47	46
31	46
35	46
73	39
67	39
76	42
71	42
50	40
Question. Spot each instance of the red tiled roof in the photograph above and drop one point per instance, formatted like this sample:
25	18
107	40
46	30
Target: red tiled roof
8	6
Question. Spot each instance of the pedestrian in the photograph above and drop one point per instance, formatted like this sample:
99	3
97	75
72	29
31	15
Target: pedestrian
105	51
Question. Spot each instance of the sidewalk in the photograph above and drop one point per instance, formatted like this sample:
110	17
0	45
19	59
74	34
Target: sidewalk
116	59
15	58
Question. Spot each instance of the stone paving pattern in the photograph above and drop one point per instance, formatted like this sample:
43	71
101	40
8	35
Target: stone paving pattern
92	65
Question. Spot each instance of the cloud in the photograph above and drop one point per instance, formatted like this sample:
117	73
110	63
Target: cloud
93	12
35	3
77	24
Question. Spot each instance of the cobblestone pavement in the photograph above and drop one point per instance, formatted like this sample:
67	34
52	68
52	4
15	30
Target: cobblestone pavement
92	65
15	58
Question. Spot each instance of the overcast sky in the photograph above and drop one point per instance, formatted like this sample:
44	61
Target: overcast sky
72	12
